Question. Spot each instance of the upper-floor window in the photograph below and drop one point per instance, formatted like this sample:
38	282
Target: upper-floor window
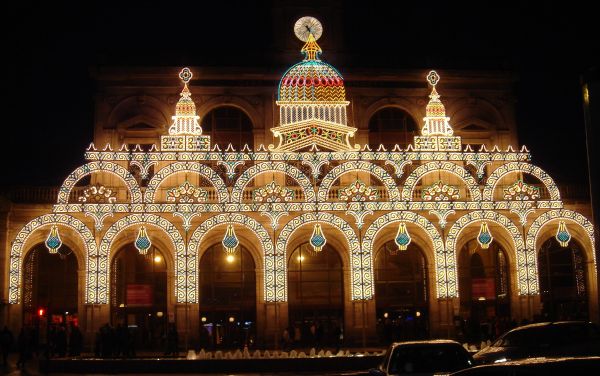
390	126
227	125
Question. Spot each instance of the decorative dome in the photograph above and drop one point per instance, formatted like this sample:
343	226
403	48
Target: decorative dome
312	80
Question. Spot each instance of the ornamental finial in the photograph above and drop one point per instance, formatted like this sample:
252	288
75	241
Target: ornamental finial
186	75
433	78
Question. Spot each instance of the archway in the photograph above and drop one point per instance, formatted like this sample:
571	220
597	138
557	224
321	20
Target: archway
484	291
315	295
138	297
563	281
228	125
391	126
227	298
401	293
50	288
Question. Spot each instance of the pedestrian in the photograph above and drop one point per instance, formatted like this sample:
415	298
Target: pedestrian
23	346
6	342
75	341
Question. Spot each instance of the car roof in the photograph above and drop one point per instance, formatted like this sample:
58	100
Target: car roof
426	342
548	323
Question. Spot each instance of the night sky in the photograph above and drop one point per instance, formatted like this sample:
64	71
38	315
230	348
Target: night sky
49	50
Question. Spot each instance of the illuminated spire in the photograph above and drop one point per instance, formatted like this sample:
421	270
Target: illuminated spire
436	121
311	49
185	121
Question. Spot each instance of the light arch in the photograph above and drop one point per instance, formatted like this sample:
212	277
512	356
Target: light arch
99	166
526	264
373	169
273	284
444	271
193	167
103	257
237	192
459	171
528	168
535	230
16	252
360	261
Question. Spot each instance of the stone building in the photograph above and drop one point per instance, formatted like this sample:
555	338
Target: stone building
237	203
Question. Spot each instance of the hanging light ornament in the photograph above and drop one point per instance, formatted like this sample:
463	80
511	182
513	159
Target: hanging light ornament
485	236
562	234
142	242
53	241
402	238
230	240
317	239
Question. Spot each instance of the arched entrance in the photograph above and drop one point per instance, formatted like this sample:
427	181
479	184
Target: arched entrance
227	298
563	281
401	293
139	299
484	291
50	284
391	126
315	296
228	124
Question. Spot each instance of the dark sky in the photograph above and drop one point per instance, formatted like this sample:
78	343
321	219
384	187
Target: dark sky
50	48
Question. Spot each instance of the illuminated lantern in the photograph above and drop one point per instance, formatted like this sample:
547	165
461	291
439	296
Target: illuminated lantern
142	242
485	236
53	241
317	239
230	240
562	234
402	238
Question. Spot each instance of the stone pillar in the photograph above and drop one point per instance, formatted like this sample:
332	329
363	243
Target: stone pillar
271	323
525	307
94	316
360	322
442	317
187	320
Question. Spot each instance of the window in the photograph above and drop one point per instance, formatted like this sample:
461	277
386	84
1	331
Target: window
227	125
391	126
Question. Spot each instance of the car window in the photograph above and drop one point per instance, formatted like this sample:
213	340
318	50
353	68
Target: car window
428	359
523	338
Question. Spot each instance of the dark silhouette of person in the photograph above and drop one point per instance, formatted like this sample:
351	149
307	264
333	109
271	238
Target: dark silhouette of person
6	342
24	347
75	341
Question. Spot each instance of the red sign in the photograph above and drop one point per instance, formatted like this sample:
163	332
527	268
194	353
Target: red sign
483	288
139	295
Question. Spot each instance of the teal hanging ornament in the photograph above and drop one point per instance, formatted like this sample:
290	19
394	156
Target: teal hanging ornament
317	240
53	241
562	234
230	240
142	242
485	236
403	238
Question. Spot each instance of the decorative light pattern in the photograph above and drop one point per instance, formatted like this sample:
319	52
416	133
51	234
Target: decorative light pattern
485	237
308	119
142	241
402	238
522	167
358	191
440	191
436	134
230	240
53	241
185	133
273	192
562	234
414	177
317	239
98	194
187	193
99	166
312	105
522	191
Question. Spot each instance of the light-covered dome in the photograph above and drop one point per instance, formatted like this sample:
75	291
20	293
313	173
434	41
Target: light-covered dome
311	80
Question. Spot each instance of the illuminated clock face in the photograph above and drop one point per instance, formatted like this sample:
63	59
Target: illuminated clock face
307	25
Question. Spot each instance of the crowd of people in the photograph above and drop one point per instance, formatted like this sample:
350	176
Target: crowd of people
308	334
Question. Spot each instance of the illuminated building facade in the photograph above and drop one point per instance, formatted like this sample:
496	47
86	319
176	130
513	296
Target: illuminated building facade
229	204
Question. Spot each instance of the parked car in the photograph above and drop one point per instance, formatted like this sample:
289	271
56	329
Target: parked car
549	339
537	366
423	358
